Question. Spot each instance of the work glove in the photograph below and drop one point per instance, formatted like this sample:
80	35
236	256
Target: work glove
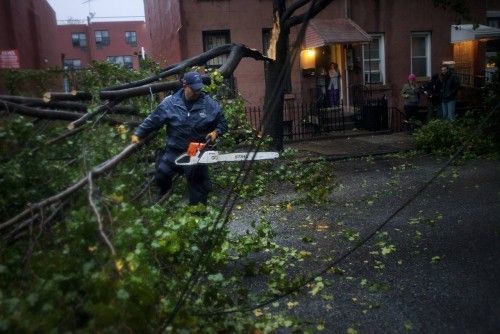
134	139
213	136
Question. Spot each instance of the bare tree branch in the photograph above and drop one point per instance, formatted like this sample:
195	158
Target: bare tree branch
292	8
97	171
98	216
318	6
82	120
36	219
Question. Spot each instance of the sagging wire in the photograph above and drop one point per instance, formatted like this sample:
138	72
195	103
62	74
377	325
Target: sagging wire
242	177
368	237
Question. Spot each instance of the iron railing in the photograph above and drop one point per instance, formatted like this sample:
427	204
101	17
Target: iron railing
303	120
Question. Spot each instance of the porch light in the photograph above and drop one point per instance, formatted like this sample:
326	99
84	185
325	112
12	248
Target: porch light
307	59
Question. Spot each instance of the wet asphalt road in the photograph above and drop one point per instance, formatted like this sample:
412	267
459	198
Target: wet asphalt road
440	269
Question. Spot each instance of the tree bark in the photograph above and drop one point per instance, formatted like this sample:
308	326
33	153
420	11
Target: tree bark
279	70
49	114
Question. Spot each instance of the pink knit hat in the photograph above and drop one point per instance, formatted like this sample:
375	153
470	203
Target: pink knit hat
412	77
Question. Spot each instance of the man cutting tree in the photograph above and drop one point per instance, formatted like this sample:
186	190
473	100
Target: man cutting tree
190	116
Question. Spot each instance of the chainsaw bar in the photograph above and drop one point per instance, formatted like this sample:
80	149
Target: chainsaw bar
210	157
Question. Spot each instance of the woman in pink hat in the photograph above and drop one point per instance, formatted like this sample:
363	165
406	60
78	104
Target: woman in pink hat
411	97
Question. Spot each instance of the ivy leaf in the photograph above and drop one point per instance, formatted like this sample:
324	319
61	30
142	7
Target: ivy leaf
257	312
436	259
308	239
408	325
216	278
122	294
388	249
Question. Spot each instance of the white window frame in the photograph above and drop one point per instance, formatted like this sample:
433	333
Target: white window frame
381	59
72	64
123	61
131	38
428	51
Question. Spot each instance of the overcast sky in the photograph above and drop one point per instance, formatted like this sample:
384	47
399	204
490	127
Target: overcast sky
79	9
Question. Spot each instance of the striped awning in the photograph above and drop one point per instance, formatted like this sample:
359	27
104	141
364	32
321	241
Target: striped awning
322	32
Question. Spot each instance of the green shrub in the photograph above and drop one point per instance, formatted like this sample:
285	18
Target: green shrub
445	138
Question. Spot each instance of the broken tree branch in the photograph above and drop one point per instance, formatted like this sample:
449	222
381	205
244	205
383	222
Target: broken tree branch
198	60
73	96
318	6
292	8
97	171
63	105
82	120
40	113
50	114
98	216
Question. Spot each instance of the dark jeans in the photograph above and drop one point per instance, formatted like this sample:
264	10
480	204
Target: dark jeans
434	111
334	95
197	178
411	111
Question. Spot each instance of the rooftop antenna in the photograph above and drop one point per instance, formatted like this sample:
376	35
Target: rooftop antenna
91	14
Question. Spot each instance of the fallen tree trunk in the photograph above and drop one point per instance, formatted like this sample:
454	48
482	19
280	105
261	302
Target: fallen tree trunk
73	96
64	105
39	113
38	102
51	114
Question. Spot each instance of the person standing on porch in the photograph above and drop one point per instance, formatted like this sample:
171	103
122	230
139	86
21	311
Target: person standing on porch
321	88
411	97
450	87
334	85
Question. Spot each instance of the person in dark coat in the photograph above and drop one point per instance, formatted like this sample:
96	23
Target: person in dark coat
190	116
433	91
449	91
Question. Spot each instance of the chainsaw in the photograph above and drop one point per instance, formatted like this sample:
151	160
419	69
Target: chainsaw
196	154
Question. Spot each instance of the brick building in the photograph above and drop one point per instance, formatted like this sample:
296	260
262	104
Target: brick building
376	43
30	38
27	31
122	43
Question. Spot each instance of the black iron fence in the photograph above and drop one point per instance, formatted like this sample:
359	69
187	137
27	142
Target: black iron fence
370	108
304	120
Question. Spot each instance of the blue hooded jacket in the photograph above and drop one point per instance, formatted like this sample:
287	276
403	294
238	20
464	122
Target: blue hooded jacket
184	126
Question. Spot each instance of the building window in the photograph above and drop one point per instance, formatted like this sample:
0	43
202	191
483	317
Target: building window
212	39
374	60
421	54
493	18
101	38
123	61
131	38
79	39
494	22
72	64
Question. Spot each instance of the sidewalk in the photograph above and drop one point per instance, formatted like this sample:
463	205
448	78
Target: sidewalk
357	145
